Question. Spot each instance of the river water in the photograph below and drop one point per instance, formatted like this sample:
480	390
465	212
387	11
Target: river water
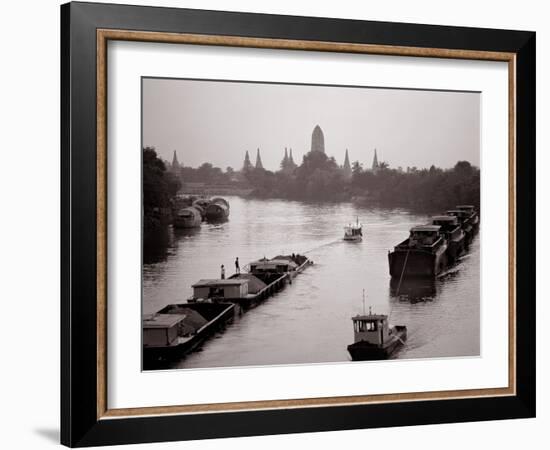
310	320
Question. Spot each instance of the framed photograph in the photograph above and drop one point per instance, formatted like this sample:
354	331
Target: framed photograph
277	224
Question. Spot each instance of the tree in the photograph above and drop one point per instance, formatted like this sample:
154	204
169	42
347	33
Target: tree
159	188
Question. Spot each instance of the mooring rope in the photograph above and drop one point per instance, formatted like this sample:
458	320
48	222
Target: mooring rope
402	272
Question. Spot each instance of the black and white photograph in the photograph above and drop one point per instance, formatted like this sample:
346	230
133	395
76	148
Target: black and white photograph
302	224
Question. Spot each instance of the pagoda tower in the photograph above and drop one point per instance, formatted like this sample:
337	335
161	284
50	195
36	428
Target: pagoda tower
291	164
375	165
317	140
247	165
347	166
259	164
284	162
175	167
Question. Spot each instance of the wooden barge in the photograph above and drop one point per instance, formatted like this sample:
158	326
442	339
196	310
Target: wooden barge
453	233
217	210
260	281
431	248
178	329
422	254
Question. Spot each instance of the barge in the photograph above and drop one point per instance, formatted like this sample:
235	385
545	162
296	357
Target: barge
464	220
473	215
217	209
178	329
454	234
422	254
260	280
374	339
187	218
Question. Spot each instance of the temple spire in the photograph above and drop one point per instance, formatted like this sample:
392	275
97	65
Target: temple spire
259	164
317	140
284	162
175	162
375	165
247	165
347	166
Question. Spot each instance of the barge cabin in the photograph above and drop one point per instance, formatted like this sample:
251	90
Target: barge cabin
422	254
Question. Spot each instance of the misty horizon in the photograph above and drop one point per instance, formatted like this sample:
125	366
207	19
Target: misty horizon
218	121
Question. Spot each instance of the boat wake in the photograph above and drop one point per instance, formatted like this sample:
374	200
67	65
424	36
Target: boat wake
326	244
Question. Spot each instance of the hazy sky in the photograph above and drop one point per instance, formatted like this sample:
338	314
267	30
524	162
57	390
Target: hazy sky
216	121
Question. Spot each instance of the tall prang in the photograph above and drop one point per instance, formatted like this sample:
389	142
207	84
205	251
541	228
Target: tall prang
375	165
247	165
287	164
284	162
347	167
175	167
291	164
259	164
317	140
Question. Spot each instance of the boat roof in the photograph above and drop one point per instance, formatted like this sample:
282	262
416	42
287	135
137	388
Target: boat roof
444	218
162	320
465	206
430	228
254	283
274	262
369	317
219	282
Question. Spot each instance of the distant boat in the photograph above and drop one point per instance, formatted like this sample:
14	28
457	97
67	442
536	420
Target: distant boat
353	232
218	209
187	218
374	339
201	204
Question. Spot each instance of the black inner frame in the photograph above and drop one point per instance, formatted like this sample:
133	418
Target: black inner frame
79	424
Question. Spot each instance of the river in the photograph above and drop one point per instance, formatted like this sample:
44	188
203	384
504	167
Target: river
310	320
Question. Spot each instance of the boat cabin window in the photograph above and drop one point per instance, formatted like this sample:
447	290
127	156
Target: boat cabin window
365	325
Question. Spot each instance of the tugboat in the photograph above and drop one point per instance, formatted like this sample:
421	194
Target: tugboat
353	232
374	339
422	254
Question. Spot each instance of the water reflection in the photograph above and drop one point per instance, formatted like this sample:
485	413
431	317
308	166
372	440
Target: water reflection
413	290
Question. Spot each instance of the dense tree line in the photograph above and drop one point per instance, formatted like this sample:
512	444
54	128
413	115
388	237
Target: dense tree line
207	173
159	188
319	178
427	189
